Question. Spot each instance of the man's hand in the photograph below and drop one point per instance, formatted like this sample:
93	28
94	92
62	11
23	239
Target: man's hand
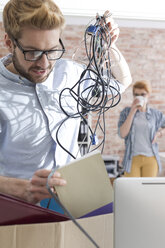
37	189
120	68
112	26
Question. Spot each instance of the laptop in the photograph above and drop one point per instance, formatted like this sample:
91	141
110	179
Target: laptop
139	212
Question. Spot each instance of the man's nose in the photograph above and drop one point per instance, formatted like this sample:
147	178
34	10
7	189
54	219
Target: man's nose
43	62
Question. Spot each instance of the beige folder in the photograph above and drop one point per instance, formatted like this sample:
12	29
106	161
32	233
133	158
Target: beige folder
88	185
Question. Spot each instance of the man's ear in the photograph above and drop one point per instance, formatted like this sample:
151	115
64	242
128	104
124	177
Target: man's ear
8	43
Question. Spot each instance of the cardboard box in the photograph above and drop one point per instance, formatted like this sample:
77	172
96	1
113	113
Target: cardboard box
59	235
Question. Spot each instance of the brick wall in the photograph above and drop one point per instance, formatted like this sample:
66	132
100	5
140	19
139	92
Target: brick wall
144	51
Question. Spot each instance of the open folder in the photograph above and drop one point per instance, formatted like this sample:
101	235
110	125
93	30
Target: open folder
88	186
14	211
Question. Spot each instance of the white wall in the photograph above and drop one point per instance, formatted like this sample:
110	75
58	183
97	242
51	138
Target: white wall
144	9
128	13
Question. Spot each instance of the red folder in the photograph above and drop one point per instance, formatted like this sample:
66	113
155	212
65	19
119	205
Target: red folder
14	211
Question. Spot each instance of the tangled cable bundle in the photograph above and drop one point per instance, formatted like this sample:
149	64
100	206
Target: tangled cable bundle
96	91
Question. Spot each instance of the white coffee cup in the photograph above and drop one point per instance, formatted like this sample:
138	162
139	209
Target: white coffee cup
141	100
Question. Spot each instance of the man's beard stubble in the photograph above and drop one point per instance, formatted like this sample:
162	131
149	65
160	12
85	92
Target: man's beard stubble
27	75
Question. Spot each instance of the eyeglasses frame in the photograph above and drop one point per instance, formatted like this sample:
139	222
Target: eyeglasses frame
43	51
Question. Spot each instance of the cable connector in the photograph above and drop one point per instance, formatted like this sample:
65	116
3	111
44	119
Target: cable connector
92	29
94	139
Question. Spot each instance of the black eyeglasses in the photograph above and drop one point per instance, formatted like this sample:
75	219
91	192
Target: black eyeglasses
34	55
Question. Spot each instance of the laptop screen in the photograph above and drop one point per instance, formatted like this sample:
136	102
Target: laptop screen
139	212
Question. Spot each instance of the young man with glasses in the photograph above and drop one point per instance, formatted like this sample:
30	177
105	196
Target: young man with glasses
31	79
141	126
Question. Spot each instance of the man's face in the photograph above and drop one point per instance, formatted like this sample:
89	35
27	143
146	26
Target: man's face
35	39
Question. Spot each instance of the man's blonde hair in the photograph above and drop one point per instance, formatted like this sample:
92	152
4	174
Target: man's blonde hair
42	14
142	84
